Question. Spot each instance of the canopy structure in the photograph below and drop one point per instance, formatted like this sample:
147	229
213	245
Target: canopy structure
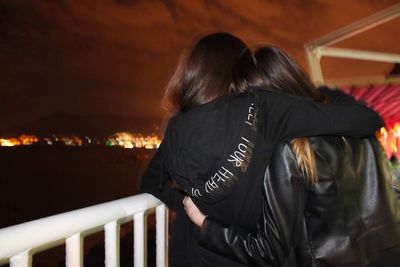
322	47
383	93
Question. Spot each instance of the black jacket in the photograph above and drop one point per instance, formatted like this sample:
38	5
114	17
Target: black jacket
351	217
218	152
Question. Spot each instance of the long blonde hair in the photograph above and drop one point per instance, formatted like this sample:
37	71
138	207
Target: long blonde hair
305	157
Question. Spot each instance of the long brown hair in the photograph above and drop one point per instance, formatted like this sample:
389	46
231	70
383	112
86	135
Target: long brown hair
272	69
204	72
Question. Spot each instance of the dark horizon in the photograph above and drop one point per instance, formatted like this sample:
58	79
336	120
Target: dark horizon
99	126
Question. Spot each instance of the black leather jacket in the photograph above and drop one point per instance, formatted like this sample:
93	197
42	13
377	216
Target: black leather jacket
351	217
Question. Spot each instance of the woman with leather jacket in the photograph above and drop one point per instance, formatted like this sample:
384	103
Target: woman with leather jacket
350	217
325	203
218	145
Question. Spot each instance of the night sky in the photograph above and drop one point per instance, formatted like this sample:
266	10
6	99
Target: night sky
96	67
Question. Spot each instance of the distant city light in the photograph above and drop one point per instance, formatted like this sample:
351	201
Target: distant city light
388	137
122	139
390	140
70	140
128	140
9	142
23	140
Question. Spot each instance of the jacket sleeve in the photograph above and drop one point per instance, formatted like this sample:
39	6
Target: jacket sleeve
157	181
337	96
385	168
288	117
278	230
395	184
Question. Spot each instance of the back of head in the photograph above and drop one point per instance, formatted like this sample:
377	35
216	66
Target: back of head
205	72
272	69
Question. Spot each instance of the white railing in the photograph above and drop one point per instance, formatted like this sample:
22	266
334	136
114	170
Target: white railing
20	242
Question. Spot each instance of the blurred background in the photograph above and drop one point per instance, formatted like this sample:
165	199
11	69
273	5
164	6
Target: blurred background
81	84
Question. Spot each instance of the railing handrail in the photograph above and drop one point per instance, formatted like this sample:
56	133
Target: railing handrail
55	229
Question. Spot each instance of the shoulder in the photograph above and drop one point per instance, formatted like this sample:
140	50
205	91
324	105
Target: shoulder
325	143
271	97
211	110
283	150
212	120
336	95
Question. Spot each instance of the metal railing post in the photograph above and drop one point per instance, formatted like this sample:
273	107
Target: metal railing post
23	259
162	236
112	243
140	240
74	251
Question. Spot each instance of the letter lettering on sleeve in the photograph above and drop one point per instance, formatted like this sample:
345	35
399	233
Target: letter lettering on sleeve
237	162
211	184
242	148
196	192
227	174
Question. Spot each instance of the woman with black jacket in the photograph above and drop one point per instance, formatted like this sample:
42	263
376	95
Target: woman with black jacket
220	142
336	207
